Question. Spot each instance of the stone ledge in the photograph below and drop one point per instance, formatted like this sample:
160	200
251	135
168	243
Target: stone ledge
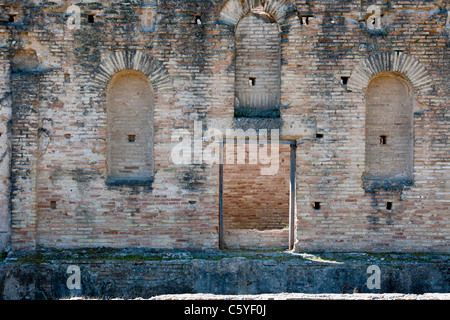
146	273
128	182
386	184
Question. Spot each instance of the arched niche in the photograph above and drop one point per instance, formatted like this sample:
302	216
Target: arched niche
130	105
389	127
258	66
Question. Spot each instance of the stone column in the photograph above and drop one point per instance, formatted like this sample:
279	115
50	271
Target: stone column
5	151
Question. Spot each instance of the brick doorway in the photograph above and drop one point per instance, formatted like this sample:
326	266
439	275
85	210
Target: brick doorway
257	210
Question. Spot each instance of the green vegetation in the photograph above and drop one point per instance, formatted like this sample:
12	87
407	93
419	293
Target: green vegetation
141	255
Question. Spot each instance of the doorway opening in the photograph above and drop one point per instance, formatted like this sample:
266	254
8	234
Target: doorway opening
257	206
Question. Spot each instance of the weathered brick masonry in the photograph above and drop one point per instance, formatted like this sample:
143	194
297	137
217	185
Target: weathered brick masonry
256	206
76	170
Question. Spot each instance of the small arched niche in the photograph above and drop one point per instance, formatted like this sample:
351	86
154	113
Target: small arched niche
389	128
130	105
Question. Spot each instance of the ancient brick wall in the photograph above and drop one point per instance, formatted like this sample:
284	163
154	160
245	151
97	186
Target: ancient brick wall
353	212
330	51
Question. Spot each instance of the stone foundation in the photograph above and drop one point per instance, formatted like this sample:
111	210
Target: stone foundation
142	273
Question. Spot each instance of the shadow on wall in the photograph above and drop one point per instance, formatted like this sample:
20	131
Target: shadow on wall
25	60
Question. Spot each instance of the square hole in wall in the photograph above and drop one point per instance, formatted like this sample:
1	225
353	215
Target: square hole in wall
251	81
53	204
389	205
304	20
198	19
91	17
131	138
344	80
383	140
316	205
